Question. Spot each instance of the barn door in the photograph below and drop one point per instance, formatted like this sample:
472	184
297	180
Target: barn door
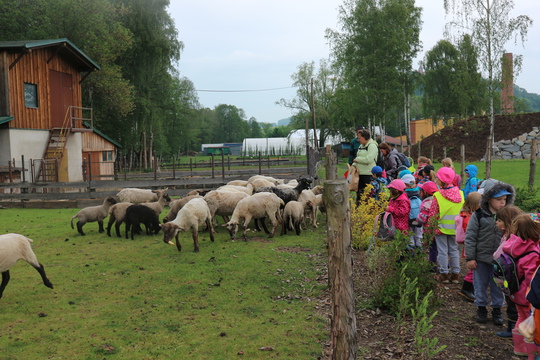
93	165
61	97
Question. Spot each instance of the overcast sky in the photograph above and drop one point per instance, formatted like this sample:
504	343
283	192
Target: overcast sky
258	44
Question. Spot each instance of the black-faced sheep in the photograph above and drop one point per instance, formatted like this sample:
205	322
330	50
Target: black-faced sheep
176	205
256	206
14	247
117	212
192	215
293	216
137	196
139	214
289	194
92	214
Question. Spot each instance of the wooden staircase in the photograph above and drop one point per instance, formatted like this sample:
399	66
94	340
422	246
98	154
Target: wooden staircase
56	145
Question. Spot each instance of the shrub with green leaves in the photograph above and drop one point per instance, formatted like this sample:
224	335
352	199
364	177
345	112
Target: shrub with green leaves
527	200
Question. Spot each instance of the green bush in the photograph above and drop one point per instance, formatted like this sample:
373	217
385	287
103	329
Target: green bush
527	200
387	262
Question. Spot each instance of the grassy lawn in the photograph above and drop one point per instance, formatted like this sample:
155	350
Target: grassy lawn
142	299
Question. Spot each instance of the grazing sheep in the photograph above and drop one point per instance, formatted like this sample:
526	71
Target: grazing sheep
117	212
238	182
256	206
139	214
289	194
271	179
316	203
176	205
248	189
137	196
260	183
198	192
293	216
14	247
92	214
223	203
192	215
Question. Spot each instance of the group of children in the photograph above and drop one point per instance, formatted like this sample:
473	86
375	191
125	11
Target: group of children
482	218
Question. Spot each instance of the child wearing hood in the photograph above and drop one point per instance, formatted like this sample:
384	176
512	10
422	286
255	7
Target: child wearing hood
522	245
447	204
481	241
413	193
399	205
427	190
472	182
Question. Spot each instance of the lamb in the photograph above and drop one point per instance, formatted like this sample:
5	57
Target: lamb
316	202
92	214
256	206
238	182
289	194
198	192
293	216
134	195
117	212
139	214
14	247
176	205
223	203
194	213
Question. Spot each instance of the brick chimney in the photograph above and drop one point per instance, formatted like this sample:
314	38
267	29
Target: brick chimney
507	86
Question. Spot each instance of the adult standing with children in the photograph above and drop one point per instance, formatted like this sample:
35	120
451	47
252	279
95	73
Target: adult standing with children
391	160
365	160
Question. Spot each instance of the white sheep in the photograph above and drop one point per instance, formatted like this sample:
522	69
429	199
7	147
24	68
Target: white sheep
137	196
192	215
238	182
93	214
257	206
14	247
293	216
310	212
176	205
248	189
261	183
223	203
117	212
271	179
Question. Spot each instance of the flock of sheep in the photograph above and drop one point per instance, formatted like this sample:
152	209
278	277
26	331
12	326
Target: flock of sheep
238	202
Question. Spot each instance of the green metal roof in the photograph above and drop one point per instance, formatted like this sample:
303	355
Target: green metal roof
66	48
5	119
87	125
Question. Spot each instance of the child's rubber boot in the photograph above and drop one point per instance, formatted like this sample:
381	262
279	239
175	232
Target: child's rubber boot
507	334
497	316
481	314
520	348
467	291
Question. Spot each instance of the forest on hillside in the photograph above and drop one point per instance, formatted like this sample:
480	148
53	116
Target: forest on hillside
140	91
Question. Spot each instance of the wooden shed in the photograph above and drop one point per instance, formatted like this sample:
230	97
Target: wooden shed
42	118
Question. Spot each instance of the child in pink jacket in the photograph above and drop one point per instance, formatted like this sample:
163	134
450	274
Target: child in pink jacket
522	245
399	205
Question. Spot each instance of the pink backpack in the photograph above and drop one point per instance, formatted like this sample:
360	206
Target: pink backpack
460	233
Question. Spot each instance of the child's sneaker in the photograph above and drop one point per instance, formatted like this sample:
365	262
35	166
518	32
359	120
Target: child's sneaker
443	278
454	278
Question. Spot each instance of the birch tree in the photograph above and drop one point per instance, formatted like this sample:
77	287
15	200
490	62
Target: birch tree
491	28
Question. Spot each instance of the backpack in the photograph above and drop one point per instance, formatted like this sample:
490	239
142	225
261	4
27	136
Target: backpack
384	222
505	273
460	233
403	160
415	207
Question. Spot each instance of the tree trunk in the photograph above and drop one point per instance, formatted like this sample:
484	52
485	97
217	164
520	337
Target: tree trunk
343	343
533	164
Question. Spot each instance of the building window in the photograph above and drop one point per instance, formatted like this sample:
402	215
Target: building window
30	95
107	155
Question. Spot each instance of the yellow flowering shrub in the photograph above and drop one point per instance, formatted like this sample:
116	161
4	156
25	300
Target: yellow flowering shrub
363	216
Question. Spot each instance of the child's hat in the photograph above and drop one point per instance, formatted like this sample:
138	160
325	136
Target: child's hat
397	184
429	187
500	193
377	170
408	179
403	172
446	175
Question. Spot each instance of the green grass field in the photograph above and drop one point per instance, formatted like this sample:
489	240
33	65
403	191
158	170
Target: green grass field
121	299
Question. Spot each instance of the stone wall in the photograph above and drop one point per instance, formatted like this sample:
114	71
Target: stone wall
517	148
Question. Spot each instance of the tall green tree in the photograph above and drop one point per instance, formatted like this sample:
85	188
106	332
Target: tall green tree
374	52
314	99
491	28
231	125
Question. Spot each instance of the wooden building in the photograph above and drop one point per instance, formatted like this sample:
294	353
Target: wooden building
41	115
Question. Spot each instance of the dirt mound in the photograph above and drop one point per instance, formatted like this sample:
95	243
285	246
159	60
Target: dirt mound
473	133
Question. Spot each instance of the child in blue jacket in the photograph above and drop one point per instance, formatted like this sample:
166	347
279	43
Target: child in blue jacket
472	182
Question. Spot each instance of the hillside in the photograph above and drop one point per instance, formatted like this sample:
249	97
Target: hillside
473	133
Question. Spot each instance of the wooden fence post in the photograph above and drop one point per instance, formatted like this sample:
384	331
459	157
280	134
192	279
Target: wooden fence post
431	154
213	166
260	163
532	171
223	164
23	171
343	343
331	164
444	153
419	148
